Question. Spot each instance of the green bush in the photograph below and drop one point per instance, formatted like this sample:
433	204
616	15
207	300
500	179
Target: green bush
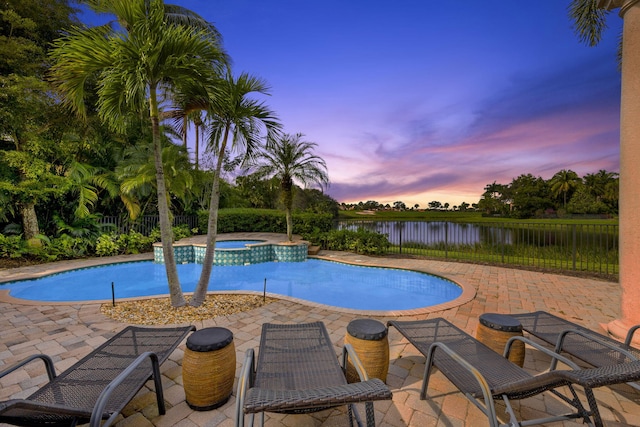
134	243
66	247
181	231
107	245
361	241
12	246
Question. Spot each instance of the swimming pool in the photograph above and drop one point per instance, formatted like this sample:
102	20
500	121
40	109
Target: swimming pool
324	282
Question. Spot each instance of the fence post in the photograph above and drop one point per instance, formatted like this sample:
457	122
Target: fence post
400	227
502	243
574	245
446	239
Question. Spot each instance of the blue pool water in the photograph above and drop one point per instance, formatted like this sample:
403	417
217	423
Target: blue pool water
235	244
324	282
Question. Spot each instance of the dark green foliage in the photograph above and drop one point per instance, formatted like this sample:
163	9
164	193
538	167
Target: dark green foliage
267	221
12	246
361	241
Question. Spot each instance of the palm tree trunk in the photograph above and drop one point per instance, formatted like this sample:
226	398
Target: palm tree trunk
185	123
197	127
287	196
166	234
200	292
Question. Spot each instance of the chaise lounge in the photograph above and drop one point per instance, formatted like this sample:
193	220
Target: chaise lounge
298	372
583	343
484	375
98	386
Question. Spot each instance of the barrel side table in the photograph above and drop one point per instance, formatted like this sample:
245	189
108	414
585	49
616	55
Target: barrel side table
208	368
494	330
370	341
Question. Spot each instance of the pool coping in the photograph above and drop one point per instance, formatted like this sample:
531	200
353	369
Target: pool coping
422	266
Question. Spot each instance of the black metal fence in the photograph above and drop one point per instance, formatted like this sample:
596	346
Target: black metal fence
144	224
576	247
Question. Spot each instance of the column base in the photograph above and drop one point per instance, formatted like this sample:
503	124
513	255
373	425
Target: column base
618	329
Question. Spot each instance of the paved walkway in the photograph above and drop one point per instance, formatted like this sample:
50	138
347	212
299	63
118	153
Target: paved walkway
69	331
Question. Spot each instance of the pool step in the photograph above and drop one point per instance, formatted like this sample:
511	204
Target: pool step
313	250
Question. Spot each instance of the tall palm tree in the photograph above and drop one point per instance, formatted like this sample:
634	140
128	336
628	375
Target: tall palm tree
237	122
564	181
146	58
291	159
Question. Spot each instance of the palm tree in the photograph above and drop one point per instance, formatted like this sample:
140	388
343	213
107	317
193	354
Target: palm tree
597	183
290	159
237	122
145	58
136	174
562	182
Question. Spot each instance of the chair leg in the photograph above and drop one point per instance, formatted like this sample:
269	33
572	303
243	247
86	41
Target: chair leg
593	406
350	412
371	416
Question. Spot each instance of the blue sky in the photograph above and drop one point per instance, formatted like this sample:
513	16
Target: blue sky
418	100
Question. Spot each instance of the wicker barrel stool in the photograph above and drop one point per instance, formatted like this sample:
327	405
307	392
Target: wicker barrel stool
208	368
494	330
369	339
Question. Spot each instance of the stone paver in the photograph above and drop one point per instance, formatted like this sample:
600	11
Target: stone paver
69	331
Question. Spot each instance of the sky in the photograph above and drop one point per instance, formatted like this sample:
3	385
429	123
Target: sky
421	100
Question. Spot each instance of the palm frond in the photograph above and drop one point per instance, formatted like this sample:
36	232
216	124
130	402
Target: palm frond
589	21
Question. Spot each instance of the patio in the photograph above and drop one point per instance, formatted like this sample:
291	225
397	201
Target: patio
68	331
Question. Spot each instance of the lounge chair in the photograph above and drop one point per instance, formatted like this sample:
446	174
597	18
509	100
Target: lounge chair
484	375
297	371
583	343
98	386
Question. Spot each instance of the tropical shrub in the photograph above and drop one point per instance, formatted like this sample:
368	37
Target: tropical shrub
12	246
361	241
107	245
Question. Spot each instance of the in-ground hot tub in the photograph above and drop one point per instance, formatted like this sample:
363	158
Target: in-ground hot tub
237	252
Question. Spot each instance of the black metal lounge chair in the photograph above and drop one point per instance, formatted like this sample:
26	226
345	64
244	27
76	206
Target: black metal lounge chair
484	375
583	343
298	372
101	384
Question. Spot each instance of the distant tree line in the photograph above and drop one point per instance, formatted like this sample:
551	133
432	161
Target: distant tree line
401	206
528	196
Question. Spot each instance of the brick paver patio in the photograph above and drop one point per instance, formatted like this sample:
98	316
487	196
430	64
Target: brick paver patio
68	331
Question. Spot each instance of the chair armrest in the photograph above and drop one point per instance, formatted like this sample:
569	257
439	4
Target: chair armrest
555	357
245	382
482	382
101	402
350	353
629	338
615	347
48	363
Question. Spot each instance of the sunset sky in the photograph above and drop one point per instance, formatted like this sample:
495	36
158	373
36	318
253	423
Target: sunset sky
418	100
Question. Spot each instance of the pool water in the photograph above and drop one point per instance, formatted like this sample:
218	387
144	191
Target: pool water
325	282
236	244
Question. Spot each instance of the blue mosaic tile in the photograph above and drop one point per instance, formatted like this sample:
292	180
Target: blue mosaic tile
250	255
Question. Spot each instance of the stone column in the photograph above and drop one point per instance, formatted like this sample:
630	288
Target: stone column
629	169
